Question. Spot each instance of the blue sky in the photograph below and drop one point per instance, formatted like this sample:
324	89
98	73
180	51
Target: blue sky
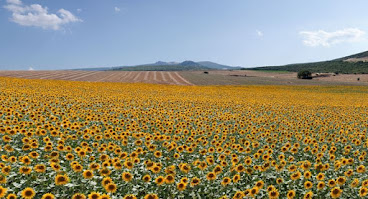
50	34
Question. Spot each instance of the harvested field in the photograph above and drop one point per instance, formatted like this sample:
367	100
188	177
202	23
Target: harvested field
249	77
220	77
156	77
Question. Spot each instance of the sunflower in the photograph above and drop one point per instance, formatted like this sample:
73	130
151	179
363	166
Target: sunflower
253	191
105	172
181	186
128	164
48	196
211	176
274	194
3	191
270	188
25	170
88	174
308	195
217	169
307	174
61	179
106	181
157	154
320	185
354	183
320	176
259	184
169	179
160	180
238	195
331	183
2	179
290	194
79	196
6	170
11	196
104	196
335	192
55	166
40	168
361	169
94	195
28	193
341	180
195	181
184	180
363	191
295	175
151	196
111	187
127	177
26	160
77	168
240	168
308	185
225	181
146	178
156	169
236	178
130	196
349	172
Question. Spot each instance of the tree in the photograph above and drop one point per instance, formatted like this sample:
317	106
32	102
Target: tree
304	75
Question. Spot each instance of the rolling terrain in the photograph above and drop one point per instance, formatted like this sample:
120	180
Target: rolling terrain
356	63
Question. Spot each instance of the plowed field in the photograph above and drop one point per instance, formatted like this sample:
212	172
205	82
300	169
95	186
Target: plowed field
158	77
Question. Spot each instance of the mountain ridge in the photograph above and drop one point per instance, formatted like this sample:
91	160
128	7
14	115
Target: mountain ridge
169	66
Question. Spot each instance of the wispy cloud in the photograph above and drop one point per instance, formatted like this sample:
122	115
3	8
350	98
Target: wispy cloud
259	33
117	9
30	68
38	16
326	39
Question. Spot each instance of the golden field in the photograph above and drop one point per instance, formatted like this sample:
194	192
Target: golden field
64	139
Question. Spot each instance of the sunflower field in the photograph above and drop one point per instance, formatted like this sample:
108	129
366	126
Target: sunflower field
64	139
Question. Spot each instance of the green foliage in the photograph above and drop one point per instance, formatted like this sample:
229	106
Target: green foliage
304	74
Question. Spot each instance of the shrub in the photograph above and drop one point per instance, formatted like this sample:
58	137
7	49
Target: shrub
304	75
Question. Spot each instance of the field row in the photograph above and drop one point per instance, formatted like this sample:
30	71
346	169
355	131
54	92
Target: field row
158	77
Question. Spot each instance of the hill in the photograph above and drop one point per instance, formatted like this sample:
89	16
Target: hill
167	66
175	66
218	66
357	63
164	66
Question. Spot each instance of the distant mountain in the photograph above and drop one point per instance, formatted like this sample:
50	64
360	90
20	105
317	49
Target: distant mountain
168	66
162	63
165	66
218	66
176	66
357	63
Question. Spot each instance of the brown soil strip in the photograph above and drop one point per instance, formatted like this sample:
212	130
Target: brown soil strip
173	79
182	79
